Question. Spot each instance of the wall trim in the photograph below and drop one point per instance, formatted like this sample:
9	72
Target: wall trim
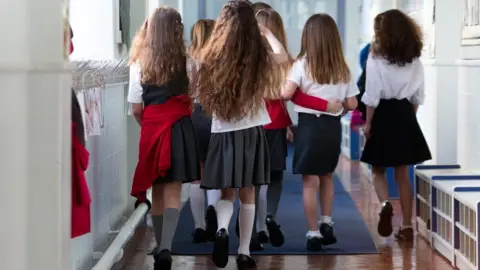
436	63
467	62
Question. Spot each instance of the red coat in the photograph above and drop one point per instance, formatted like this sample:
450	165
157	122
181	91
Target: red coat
80	193
154	153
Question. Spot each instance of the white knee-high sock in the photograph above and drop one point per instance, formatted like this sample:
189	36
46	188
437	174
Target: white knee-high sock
197	204
213	196
224	214
246	219
262	209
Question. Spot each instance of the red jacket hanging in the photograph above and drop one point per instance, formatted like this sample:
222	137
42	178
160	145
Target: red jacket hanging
80	193
154	157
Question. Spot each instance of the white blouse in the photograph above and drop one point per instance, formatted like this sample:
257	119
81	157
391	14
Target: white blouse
341	91
387	81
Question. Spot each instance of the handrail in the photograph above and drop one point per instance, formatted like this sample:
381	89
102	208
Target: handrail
114	253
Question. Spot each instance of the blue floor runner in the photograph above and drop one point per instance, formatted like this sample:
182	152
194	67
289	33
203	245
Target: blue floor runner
350	229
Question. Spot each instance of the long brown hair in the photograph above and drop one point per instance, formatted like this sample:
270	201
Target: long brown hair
137	43
322	48
235	65
273	21
163	55
397	37
199	35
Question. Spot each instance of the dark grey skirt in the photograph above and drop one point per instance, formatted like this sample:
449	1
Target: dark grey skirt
278	148
237	159
185	163
203	125
317	144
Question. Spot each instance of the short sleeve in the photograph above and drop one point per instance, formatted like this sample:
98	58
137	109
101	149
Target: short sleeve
135	90
352	89
297	72
419	96
373	84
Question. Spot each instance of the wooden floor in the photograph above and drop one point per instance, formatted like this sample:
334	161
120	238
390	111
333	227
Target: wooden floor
392	254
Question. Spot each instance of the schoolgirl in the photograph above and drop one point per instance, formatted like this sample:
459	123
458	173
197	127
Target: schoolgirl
205	225
159	94
235	71
394	89
320	70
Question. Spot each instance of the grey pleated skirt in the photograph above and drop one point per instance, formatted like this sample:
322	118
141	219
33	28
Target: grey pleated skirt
237	159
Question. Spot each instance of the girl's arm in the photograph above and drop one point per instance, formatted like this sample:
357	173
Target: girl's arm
278	52
304	100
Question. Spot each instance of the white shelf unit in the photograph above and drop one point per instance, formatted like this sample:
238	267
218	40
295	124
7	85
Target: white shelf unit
466	206
442	236
422	194
346	135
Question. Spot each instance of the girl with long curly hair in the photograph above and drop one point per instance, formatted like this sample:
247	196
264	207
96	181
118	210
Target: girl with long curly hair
205	225
320	70
161	103
278	133
394	89
236	70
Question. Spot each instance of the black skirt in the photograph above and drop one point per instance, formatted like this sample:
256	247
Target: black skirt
237	159
203	125
185	162
317	144
396	137
278	148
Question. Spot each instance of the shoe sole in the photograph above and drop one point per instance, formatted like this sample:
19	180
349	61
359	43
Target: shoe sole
212	225
385	228
277	239
220	252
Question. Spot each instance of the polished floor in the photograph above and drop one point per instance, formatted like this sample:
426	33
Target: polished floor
393	255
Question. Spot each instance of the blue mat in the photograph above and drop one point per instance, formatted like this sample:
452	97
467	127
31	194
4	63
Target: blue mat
350	229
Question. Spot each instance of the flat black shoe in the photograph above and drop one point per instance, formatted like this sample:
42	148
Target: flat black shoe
385	227
255	244
199	236
245	262
263	237
276	236
314	244
220	249
163	260
211	221
328	237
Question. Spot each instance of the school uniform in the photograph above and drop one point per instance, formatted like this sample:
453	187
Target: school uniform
276	134
168	149
318	134
238	153
396	137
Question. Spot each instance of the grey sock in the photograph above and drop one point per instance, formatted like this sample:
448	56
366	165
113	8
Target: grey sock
257	197
274	192
157	226
170	221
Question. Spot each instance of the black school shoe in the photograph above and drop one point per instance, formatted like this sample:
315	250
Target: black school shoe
199	236
163	260
385	227
314	243
276	236
245	262
328	237
211	221
220	249
263	237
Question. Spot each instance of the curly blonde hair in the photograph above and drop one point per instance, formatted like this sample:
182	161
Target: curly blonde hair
235	65
199	35
160	48
273	21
